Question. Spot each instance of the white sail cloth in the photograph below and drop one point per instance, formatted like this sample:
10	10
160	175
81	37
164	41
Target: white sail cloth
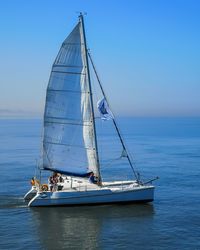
68	142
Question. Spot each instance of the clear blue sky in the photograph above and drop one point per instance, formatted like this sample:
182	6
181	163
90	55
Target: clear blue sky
147	53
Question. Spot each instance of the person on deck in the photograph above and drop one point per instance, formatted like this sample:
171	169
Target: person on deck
51	183
92	178
61	178
33	181
55	181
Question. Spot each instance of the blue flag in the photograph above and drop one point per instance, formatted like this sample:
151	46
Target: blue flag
104	110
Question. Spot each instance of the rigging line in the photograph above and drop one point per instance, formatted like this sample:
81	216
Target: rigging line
115	124
96	95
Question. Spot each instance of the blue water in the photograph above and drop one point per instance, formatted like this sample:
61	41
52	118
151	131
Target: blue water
164	147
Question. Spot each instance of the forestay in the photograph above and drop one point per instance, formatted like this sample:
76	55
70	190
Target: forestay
68	142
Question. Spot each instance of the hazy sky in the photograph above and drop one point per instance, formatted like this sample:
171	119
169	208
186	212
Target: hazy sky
147	53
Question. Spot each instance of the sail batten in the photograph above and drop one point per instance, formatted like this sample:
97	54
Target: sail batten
69	123
72	91
69	136
68	145
66	66
64	72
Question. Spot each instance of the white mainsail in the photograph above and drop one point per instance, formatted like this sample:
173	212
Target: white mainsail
68	142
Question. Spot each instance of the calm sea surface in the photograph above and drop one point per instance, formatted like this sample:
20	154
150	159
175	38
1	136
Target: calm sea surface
167	147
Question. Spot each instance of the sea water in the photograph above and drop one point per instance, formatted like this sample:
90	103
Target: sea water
164	147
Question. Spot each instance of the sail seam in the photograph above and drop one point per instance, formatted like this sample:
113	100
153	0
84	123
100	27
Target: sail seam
71	91
60	118
73	73
69	145
67	66
72	44
68	123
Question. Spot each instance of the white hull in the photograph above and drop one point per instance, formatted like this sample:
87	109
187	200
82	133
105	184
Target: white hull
104	195
30	194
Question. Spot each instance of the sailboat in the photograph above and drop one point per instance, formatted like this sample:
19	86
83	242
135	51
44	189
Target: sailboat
70	147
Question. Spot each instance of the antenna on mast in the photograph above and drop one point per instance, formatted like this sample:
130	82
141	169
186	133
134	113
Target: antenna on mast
81	13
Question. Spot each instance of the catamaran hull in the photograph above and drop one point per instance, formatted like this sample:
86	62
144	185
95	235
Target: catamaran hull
95	197
30	194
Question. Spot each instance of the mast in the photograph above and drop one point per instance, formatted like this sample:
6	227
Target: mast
114	122
90	90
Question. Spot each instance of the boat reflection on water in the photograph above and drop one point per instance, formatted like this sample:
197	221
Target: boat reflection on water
90	227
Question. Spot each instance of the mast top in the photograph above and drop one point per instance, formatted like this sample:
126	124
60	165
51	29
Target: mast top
81	14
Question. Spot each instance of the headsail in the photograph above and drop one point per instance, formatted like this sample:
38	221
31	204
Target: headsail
68	143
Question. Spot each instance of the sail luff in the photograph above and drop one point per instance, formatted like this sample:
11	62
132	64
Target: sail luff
91	100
